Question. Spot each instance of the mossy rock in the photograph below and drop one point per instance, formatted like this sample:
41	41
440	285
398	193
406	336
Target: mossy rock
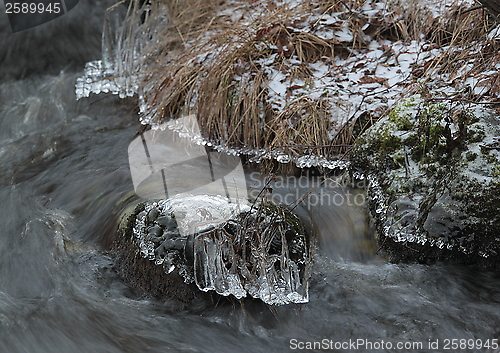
434	194
252	243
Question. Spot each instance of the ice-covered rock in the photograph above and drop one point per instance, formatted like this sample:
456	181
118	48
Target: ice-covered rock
259	250
434	172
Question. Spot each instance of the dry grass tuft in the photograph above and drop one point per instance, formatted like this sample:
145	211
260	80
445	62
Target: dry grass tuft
221	80
302	127
464	34
222	61
460	27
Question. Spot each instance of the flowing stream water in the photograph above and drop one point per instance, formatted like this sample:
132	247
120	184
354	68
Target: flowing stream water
64	167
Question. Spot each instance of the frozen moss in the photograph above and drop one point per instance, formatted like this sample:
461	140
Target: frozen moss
470	156
435	182
401	115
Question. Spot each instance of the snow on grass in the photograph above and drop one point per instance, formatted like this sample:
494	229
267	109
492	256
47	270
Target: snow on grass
371	58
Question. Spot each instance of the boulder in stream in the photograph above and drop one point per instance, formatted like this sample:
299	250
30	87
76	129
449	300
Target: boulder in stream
434	182
174	248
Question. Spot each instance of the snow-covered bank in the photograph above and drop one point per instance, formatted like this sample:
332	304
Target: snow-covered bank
293	79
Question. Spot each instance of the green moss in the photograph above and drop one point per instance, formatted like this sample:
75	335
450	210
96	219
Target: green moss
427	135
401	120
433	141
467	117
272	209
455	205
475	134
399	159
390	143
412	140
432	113
401	116
430	128
481	201
470	156
436	132
489	157
431	168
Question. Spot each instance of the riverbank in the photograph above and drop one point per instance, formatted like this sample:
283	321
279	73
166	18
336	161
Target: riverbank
308	83
297	82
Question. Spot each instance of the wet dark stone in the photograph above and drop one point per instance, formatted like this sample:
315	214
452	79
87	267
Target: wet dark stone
155	231
167	222
153	280
152	215
172	244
